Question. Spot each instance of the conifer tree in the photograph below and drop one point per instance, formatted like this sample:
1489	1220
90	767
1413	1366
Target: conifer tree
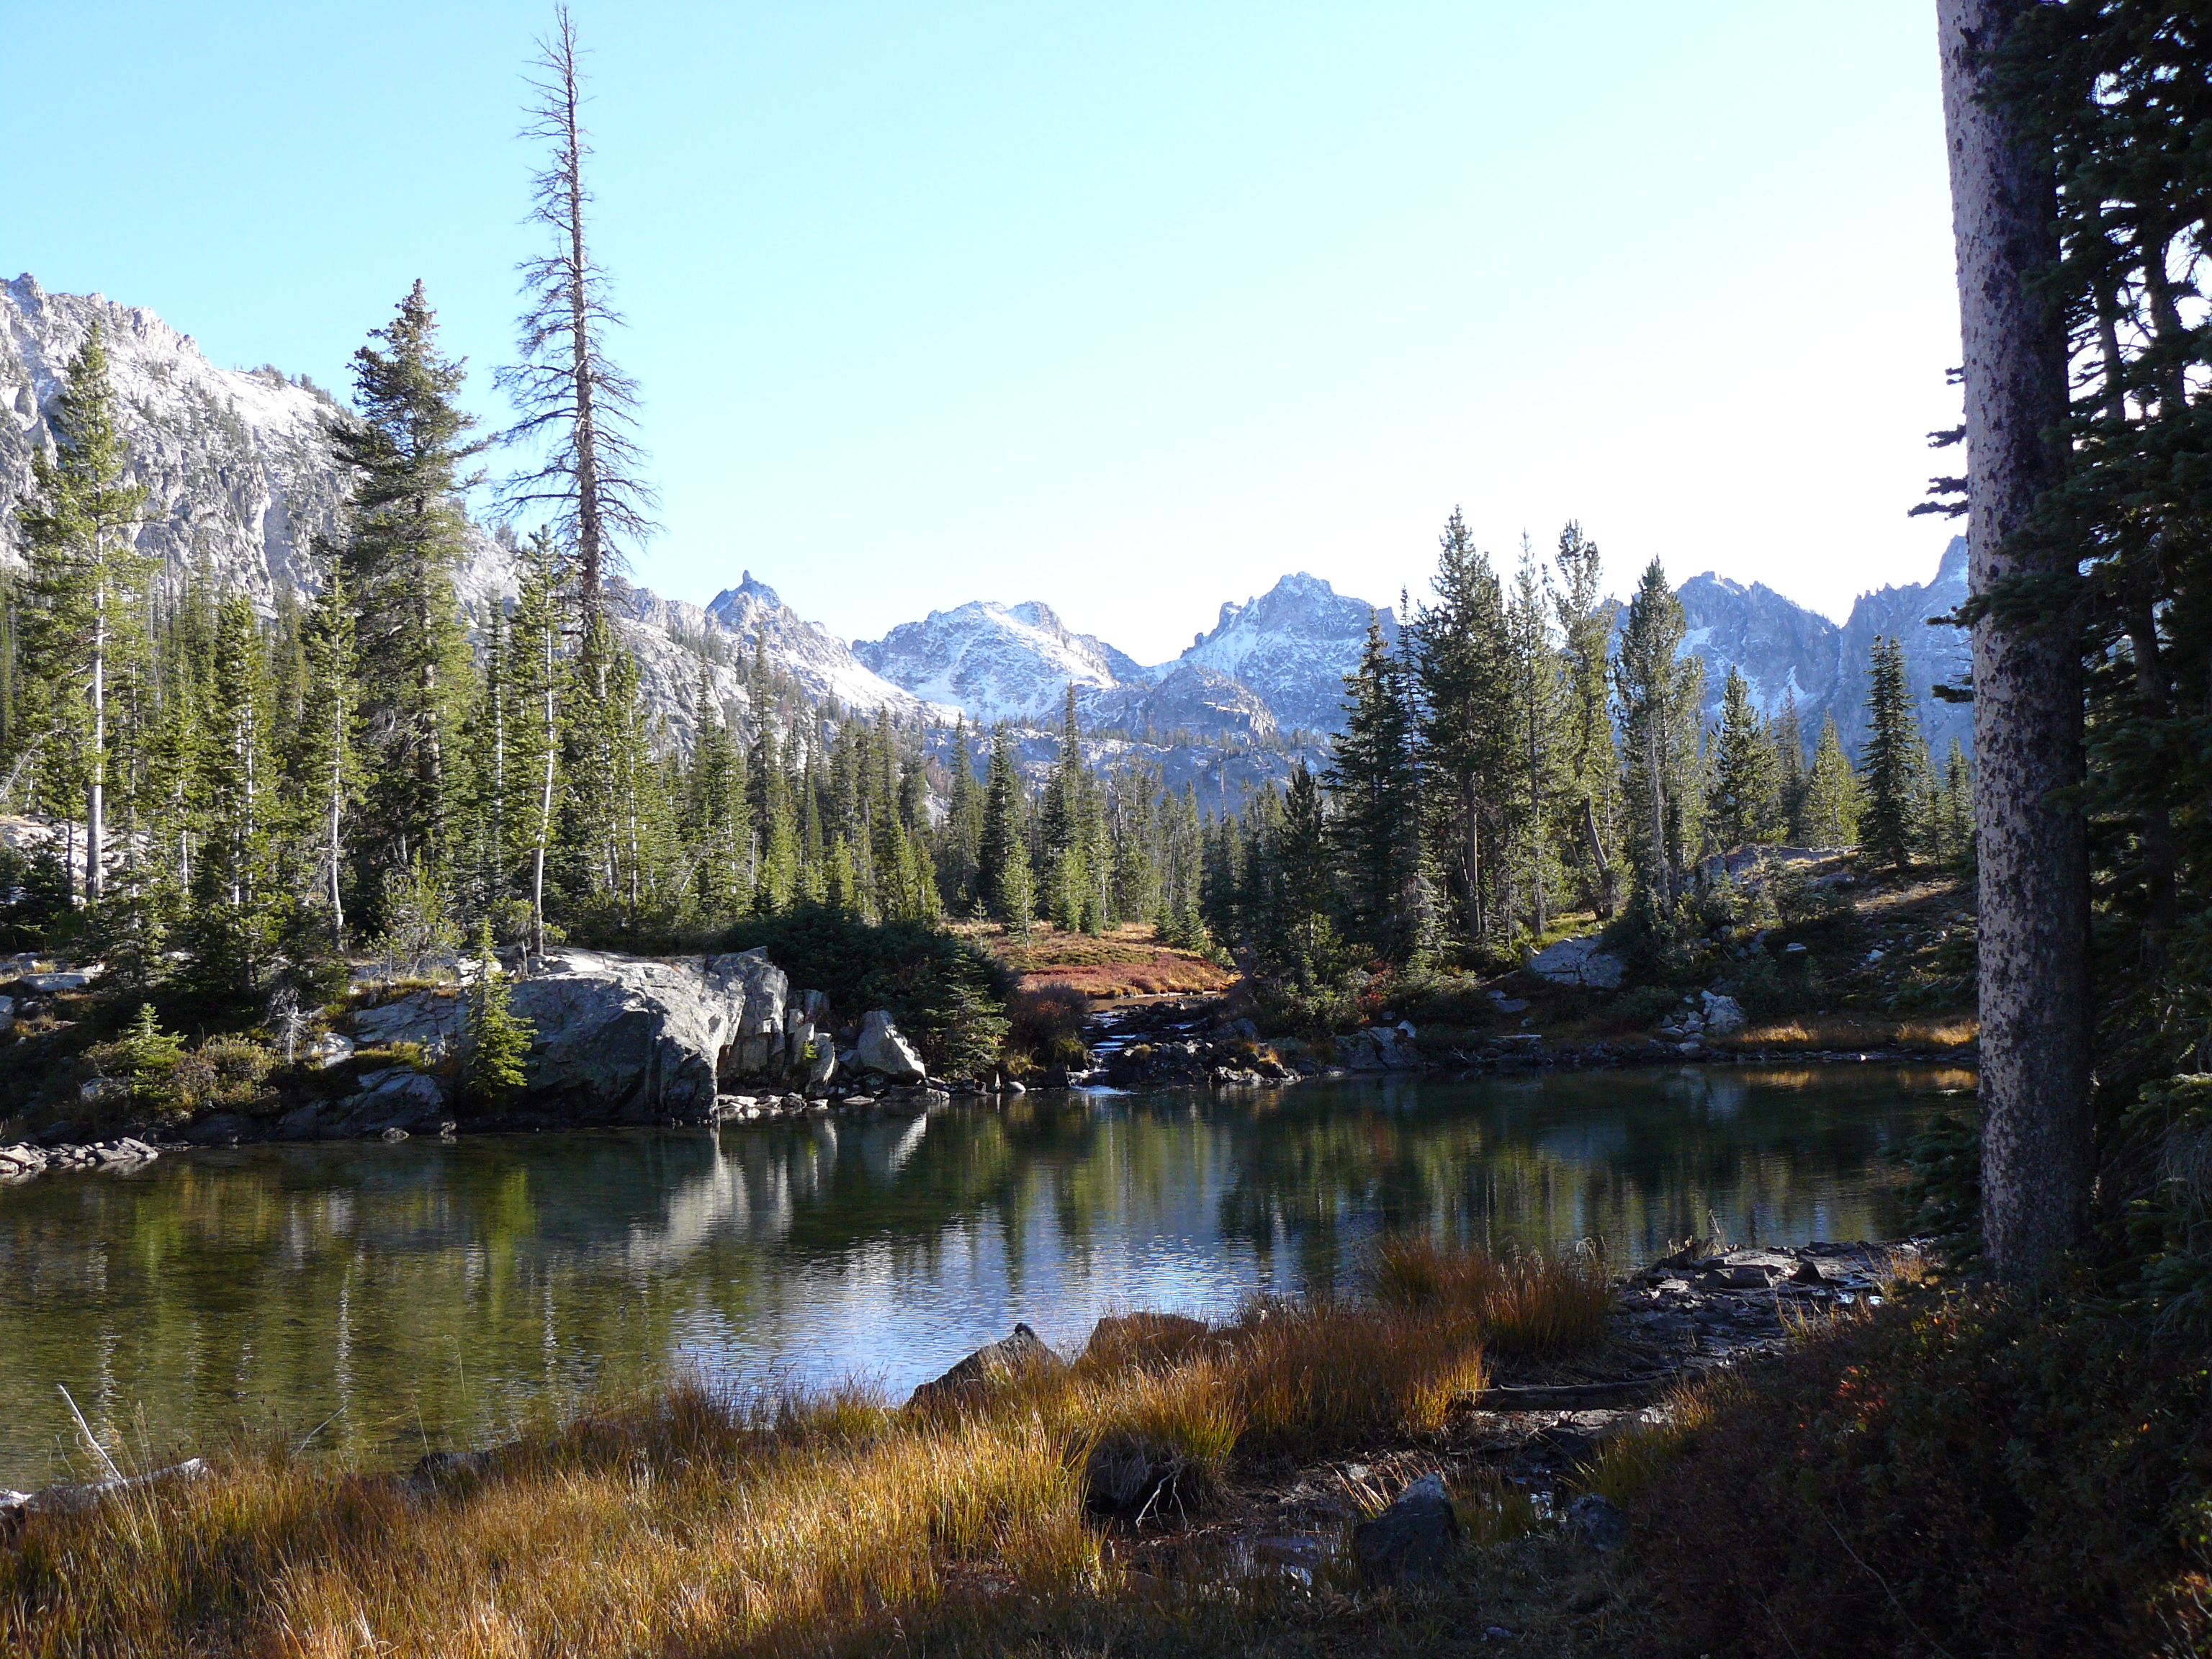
1373	778
720	824
496	1051
324	765
406	451
1592	763
1464	652
1660	690
1785	741
1304	875
1831	814
1895	762
1534	690
238	912
1952	817
1742	807
1004	860
540	678
86	578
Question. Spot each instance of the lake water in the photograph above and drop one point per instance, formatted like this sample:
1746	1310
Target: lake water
425	1294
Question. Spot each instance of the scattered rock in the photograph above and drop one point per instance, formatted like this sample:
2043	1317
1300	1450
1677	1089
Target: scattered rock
1411	1538
1600	1524
995	1363
882	1048
1722	1013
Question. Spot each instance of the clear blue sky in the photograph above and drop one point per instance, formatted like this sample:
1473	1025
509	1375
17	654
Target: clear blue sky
1129	308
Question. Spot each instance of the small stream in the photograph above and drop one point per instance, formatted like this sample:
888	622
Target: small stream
423	1295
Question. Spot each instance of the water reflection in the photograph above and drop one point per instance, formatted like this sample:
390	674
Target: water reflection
424	1294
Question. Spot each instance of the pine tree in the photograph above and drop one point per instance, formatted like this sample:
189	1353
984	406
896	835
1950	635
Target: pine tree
405	451
1742	806
1003	860
85	577
1785	741
1305	877
540	683
238	912
1593	762
1660	689
1895	762
1953	817
1464	656
1538	786
323	761
1373	778
1830	816
496	1052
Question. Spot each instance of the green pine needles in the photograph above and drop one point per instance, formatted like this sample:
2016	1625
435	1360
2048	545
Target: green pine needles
495	1053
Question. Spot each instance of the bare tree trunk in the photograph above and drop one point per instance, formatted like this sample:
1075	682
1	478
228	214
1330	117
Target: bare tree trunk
1474	863
1604	886
544	813
95	782
2033	881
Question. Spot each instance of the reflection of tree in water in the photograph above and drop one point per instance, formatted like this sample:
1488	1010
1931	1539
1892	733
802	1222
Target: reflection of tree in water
1635	1160
430	1293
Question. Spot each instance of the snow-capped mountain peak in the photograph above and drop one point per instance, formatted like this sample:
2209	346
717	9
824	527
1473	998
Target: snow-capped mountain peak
1293	645
997	661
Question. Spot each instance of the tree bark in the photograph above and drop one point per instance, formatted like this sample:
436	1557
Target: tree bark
2033	881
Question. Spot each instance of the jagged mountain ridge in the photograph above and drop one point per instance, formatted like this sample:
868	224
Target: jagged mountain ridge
1784	649
243	483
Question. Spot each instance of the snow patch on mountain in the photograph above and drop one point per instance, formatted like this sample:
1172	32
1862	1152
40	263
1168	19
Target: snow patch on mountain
997	662
750	614
1292	645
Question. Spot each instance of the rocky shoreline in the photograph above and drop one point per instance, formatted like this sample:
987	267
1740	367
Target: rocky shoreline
626	1040
1702	1309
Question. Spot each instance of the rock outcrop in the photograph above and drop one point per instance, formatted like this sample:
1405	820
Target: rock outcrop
882	1048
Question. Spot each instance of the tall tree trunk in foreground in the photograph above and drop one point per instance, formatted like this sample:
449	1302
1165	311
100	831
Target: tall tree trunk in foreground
2033	872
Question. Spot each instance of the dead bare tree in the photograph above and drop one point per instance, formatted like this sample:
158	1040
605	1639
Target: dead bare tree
573	404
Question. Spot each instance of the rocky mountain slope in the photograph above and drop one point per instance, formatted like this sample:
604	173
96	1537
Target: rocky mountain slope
1785	650
1293	645
997	661
243	483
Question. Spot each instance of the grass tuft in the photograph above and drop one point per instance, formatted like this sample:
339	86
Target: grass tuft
687	1520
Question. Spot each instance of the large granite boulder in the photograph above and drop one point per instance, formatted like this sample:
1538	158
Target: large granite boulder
882	1048
1579	962
625	1039
752	994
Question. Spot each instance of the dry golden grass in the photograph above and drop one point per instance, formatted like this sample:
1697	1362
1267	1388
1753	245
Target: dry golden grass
1812	1033
688	1522
1526	1304
1131	961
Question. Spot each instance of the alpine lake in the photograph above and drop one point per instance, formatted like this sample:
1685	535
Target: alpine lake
382	1300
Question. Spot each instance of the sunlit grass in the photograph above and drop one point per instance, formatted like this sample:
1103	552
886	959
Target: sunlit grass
686	1521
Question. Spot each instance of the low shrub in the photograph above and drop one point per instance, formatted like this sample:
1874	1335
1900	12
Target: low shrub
1974	1476
1045	1024
1647	1005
